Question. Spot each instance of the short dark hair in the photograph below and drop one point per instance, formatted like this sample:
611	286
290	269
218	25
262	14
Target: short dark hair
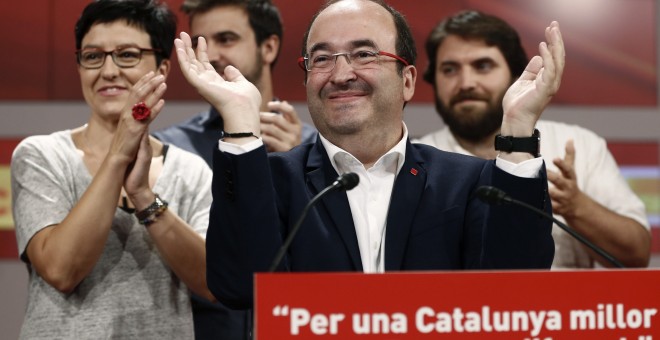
264	17
150	15
477	25
405	43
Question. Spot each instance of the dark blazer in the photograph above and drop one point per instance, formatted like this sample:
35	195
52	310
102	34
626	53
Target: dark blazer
434	221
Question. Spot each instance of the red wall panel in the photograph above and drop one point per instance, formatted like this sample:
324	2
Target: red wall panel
611	46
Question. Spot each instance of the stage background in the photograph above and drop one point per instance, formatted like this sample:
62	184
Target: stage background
609	86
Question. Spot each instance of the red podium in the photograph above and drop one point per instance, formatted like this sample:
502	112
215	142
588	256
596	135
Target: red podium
525	305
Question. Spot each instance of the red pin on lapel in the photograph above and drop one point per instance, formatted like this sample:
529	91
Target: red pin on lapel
413	171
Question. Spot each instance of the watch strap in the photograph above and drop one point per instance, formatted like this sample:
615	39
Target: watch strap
225	134
530	144
155	208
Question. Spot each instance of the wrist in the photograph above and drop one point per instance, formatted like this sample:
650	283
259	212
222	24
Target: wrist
141	199
530	144
150	214
517	127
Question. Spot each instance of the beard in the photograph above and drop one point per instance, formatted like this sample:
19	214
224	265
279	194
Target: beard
467	123
252	73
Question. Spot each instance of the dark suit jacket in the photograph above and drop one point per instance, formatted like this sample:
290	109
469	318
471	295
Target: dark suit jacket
434	221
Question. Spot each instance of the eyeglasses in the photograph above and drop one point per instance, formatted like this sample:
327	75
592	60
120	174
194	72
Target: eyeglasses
124	57
360	59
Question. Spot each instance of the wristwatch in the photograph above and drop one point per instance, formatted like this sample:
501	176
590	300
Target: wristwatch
531	144
150	213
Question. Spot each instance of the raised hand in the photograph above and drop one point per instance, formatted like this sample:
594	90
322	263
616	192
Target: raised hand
281	132
236	99
565	194
526	99
148	90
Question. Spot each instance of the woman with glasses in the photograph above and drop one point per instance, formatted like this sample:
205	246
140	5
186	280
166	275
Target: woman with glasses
110	222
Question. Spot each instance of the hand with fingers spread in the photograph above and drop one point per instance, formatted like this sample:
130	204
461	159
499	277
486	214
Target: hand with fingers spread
281	132
567	198
526	99
235	97
619	234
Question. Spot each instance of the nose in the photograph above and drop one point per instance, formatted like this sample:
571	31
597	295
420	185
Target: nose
213	51
467	80
342	71
109	68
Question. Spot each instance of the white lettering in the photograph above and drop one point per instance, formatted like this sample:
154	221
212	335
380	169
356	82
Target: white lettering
553	322
485	313
399	323
458	320
583	319
318	323
502	321
299	318
648	313
382	323
537	322
611	316
420	322
472	322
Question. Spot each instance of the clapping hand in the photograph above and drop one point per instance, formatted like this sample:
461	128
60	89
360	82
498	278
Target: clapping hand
131	140
565	193
526	99
283	131
236	99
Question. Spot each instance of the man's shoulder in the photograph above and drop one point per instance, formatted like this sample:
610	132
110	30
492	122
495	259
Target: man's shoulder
428	153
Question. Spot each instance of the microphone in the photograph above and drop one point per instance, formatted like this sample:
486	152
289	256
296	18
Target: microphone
346	181
492	195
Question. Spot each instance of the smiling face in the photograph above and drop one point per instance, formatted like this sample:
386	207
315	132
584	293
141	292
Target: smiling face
106	89
470	81
347	101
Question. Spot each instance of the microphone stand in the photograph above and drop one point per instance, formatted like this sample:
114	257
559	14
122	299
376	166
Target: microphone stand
346	181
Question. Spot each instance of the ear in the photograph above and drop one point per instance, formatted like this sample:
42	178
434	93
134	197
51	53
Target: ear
409	75
164	67
270	48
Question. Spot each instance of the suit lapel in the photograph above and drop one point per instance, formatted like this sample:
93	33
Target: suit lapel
321	174
406	196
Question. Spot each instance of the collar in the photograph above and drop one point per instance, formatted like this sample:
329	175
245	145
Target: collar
343	160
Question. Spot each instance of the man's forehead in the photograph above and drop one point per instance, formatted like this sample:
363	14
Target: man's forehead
456	47
222	17
350	23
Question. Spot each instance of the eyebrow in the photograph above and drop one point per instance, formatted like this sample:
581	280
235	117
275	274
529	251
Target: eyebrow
216	35
473	62
354	44
98	47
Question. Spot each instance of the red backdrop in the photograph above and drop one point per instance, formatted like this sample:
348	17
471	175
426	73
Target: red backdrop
611	46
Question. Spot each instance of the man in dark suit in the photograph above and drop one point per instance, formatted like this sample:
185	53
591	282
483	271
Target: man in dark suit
414	208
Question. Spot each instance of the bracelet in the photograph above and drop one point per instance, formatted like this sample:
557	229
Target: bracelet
150	213
225	134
